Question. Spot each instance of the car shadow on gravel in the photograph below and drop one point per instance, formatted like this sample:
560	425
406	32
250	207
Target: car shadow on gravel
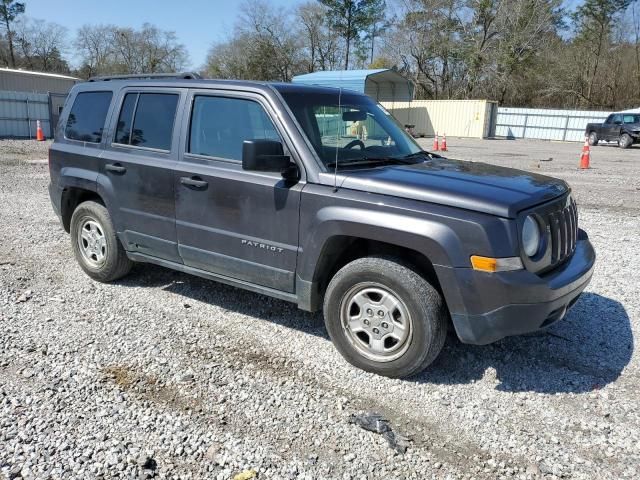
196	289
585	351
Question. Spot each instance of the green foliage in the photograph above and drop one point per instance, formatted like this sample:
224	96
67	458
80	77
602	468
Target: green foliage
9	11
350	18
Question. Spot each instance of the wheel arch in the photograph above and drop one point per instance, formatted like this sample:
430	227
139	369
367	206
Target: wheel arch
337	243
72	197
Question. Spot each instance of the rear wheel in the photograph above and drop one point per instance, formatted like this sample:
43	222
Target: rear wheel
96	245
625	140
593	139
384	317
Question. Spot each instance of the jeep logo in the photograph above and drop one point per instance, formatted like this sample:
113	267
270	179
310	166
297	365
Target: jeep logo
262	246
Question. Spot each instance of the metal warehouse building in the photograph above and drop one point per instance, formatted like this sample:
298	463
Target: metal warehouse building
26	97
383	85
26	81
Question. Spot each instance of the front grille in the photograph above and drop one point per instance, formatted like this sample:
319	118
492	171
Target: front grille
562	225
558	222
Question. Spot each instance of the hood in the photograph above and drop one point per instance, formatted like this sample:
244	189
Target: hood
470	185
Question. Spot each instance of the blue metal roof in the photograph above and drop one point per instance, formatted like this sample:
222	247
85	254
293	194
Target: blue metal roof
381	84
351	79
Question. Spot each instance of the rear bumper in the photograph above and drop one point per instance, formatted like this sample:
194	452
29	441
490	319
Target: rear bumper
55	194
486	307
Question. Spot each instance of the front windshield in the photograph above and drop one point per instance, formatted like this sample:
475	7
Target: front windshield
351	129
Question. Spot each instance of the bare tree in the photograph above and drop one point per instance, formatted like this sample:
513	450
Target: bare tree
93	45
108	49
321	48
263	46
41	45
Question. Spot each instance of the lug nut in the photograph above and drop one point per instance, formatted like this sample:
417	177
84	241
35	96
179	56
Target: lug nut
381	313
385	325
376	331
369	312
366	322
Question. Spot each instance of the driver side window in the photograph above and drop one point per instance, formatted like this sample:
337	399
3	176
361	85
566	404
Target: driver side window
220	125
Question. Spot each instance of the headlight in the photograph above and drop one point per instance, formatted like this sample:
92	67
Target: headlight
530	236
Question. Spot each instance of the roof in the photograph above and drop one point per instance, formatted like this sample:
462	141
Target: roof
39	74
351	79
102	84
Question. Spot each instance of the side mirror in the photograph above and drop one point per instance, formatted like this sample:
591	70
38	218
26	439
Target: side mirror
264	156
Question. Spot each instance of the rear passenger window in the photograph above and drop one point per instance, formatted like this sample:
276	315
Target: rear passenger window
87	116
219	126
146	120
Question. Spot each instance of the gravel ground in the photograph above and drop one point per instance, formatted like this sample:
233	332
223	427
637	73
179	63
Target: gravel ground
170	376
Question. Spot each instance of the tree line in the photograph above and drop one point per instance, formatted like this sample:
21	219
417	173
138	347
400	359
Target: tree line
538	53
100	49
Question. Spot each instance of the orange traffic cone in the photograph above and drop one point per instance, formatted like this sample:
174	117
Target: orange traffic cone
444	142
39	132
435	143
586	155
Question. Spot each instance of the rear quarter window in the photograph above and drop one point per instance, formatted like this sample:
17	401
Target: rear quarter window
87	116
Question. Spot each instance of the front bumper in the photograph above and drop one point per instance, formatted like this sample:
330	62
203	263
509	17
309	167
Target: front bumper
486	307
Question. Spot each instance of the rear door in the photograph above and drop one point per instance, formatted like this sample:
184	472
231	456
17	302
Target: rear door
138	167
235	223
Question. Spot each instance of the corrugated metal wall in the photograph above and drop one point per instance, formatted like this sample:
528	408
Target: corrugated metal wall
457	118
16	81
546	124
19	112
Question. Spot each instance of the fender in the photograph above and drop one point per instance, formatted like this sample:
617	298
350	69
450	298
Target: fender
75	177
437	241
107	193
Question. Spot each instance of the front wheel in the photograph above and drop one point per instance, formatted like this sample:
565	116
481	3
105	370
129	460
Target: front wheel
385	318
625	140
593	139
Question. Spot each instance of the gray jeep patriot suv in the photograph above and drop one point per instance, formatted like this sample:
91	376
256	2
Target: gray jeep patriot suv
316	196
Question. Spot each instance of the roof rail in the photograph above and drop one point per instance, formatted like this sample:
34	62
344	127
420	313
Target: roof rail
145	76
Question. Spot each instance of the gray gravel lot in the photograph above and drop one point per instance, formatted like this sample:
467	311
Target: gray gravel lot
170	376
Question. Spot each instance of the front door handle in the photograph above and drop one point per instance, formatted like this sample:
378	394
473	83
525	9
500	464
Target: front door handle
195	182
115	168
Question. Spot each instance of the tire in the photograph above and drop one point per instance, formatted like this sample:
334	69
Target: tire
399	352
625	140
96	245
593	139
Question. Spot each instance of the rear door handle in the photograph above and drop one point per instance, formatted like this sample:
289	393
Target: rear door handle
193	182
115	168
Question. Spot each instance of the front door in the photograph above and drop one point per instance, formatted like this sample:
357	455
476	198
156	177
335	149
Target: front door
138	166
612	127
232	222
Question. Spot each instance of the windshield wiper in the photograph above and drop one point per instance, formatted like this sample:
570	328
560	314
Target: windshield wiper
421	153
372	161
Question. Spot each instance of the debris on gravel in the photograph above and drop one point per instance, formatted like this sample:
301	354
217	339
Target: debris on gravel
122	381
375	422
